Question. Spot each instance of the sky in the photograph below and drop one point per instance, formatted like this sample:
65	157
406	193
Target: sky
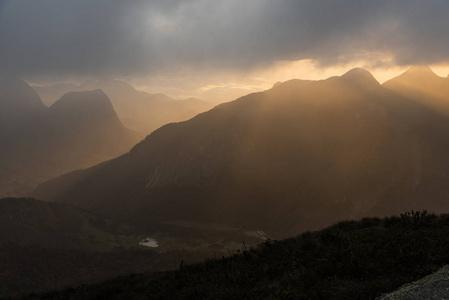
221	49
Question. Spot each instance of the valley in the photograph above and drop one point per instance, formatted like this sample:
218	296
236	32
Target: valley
240	175
46	246
233	178
230	149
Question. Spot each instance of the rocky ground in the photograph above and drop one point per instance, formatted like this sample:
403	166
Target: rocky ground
435	286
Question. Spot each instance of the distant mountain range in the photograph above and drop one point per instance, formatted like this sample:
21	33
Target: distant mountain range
138	110
299	156
37	143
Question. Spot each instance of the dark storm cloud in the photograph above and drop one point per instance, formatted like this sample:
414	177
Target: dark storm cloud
126	38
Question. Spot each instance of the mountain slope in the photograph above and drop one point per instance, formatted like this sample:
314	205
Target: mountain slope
422	85
18	98
90	121
86	107
299	156
79	130
51	93
20	106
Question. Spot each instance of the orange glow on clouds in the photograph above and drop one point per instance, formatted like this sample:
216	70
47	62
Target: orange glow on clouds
223	87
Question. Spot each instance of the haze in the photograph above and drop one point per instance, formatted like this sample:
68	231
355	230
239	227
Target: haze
218	50
145	136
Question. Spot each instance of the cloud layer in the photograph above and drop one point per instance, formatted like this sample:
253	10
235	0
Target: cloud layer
135	38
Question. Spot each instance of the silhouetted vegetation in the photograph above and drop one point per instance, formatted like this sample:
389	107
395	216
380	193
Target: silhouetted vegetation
349	260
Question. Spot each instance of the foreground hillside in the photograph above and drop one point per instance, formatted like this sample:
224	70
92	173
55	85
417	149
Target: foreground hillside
349	260
45	246
299	156
50	245
29	222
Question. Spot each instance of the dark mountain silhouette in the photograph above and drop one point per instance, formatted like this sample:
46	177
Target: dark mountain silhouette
138	110
38	143
299	156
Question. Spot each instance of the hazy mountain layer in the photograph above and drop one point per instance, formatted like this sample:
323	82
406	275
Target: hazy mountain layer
422	86
296	157
20	106
138	110
38	143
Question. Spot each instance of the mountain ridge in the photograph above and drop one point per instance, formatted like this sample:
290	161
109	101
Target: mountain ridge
9	88
265	156
138	110
423	86
80	130
86	107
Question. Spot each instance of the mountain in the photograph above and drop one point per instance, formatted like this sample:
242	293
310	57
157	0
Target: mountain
51	93
38	143
18	98
88	109
19	105
422	85
85	125
90	120
138	110
297	157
